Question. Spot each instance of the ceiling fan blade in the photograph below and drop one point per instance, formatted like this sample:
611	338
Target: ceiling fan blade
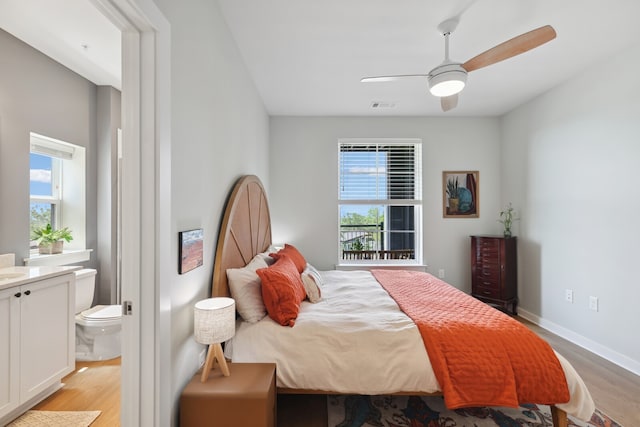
376	79
510	48
449	102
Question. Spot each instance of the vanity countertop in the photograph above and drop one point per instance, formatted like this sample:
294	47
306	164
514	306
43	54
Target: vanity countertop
16	276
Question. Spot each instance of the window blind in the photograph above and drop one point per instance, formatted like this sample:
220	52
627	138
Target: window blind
51	147
380	171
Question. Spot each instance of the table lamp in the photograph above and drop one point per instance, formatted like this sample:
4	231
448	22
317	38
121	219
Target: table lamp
214	323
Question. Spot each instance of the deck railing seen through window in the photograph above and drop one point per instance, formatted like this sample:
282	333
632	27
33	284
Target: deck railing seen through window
367	242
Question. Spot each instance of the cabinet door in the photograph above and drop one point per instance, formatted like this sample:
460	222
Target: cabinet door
47	336
9	350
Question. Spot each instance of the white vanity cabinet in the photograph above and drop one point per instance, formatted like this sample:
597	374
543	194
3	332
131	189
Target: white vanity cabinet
9	351
37	341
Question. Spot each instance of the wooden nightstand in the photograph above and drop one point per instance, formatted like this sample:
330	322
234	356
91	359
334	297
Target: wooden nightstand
247	397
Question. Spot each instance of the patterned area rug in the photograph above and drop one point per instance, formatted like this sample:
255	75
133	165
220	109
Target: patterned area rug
428	411
55	419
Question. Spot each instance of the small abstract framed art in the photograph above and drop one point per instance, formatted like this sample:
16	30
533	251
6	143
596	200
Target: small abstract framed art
460	194
190	246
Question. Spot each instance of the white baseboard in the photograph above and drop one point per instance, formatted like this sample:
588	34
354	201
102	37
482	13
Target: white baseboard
577	339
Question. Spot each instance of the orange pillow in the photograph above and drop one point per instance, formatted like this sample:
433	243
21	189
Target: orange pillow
292	253
282	291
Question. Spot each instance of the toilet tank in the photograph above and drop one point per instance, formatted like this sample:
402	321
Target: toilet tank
85	288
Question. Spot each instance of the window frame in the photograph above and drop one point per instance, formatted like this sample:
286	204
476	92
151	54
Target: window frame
385	203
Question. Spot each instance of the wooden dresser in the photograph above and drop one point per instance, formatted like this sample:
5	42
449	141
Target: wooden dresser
494	271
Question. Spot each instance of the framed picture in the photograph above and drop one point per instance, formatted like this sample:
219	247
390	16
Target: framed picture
190	244
460	194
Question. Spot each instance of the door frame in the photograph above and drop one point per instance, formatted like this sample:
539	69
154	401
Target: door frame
146	209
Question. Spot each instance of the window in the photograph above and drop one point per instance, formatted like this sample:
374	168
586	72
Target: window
57	187
380	201
44	192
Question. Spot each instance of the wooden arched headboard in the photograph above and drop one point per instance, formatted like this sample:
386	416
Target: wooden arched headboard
245	231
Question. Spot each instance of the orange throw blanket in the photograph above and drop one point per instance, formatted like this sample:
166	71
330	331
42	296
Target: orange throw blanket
481	357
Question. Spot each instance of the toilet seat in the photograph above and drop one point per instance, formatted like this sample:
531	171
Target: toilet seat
103	315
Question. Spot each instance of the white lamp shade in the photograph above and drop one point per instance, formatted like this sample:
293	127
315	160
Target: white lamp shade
214	320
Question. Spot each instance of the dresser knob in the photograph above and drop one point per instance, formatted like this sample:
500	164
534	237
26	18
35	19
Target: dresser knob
17	295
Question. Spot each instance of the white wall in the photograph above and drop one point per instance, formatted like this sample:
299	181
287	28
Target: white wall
219	131
304	183
570	162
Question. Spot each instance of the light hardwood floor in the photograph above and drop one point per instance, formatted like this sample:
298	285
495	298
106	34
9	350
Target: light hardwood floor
615	390
92	386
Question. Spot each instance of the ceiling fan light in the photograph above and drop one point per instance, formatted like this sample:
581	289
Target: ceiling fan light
447	83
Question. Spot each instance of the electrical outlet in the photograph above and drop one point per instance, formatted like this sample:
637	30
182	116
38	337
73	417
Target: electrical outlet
201	357
568	295
441	273
593	303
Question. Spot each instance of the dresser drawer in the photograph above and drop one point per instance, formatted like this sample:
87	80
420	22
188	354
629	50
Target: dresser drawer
490	292
489	258
487	282
489	245
488	273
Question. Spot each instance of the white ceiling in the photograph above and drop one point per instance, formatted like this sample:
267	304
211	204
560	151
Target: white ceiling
72	32
307	57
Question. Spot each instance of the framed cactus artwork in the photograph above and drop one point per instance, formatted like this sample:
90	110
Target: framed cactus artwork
460	194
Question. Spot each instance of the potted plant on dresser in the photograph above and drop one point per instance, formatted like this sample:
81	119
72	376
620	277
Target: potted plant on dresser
51	241
507	216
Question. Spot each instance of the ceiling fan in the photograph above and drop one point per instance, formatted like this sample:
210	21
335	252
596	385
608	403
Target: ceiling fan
449	78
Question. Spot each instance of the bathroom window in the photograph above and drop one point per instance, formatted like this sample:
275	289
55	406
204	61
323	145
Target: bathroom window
57	188
45	192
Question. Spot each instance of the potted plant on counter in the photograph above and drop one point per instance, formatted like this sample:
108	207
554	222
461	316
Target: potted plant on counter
51	241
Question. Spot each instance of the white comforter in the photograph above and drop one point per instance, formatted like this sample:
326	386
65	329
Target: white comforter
356	340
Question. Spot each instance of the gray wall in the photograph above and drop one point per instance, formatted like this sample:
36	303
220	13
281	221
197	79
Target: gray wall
304	183
570	163
39	95
108	122
219	131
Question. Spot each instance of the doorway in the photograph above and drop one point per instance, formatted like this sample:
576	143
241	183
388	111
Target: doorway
146	206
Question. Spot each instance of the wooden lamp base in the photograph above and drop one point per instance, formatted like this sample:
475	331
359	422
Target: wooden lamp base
214	353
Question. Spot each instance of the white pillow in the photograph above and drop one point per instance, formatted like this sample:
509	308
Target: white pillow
244	285
312	282
265	256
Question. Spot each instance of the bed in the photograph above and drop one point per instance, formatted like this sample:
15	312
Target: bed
357	341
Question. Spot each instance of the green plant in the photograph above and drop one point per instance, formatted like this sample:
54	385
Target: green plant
47	235
507	216
452	188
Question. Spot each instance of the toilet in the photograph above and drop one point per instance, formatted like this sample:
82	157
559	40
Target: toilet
97	328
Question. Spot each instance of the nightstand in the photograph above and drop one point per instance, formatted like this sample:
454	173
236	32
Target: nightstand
247	397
